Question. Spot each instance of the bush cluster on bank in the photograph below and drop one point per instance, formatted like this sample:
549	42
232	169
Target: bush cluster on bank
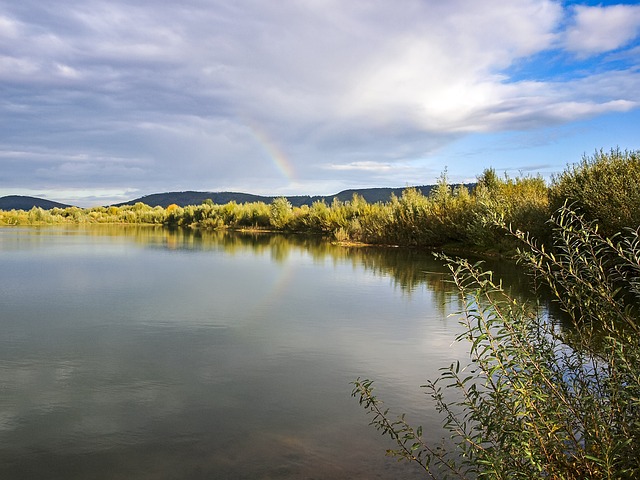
541	397
604	186
538	399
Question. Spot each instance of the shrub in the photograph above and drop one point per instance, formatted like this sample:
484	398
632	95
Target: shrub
280	213
537	400
522	203
605	187
318	216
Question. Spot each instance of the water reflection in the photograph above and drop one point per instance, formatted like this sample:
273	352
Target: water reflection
409	268
140	352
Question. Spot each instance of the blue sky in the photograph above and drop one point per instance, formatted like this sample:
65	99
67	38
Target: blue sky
105	101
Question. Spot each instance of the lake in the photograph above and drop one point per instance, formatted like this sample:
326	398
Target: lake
144	353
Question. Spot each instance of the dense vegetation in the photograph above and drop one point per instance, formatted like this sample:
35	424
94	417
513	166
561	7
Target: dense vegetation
544	397
539	399
605	186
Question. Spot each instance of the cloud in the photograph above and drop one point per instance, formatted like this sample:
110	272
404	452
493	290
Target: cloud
601	29
169	95
366	166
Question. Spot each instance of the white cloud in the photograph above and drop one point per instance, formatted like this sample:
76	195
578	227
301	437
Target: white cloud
601	29
11	67
425	64
364	166
66	71
175	89
9	28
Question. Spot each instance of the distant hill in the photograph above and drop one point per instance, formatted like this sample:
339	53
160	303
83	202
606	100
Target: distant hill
21	202
195	198
371	195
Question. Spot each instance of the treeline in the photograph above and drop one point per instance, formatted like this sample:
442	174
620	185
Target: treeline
604	186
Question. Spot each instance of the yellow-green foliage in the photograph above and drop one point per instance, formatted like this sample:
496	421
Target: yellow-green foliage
448	215
318	218
521	202
128	214
605	187
281	213
537	399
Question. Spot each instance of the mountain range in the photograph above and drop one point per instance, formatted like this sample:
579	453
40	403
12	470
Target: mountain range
371	195
182	199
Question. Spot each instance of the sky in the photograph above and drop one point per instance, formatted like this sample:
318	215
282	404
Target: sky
105	101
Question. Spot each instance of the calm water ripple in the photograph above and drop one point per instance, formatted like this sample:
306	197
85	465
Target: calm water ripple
140	353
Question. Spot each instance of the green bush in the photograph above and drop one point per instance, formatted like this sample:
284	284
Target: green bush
280	213
522	203
537	400
317	219
605	187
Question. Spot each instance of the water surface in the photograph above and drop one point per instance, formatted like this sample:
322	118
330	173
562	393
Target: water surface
139	353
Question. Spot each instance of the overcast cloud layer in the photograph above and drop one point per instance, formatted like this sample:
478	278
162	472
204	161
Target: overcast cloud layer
107	100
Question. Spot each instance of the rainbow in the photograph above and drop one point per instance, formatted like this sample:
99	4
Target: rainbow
277	290
273	151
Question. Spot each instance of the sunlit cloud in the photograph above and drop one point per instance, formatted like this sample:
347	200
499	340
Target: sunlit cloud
603	28
290	96
363	166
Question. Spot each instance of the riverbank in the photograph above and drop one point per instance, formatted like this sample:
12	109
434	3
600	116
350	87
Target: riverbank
604	187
